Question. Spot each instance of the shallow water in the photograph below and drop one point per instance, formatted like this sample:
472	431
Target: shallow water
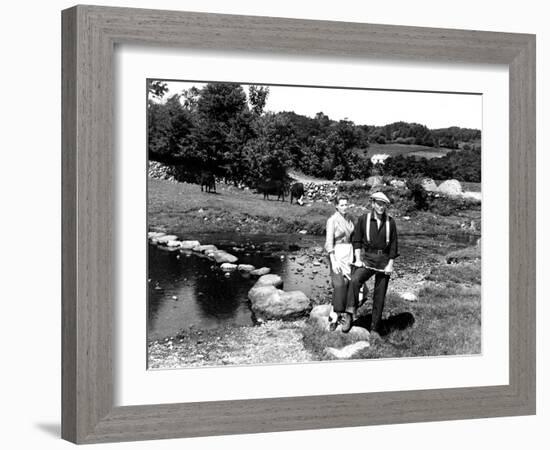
187	289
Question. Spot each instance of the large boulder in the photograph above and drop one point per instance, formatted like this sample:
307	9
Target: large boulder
322	315
246	267
270	280
359	333
261	271
450	187
472	195
320	312
429	185
268	302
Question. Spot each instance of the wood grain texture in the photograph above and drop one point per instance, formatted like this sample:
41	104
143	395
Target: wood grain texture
89	36
68	225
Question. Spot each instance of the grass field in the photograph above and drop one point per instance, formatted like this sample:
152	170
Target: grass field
406	150
182	208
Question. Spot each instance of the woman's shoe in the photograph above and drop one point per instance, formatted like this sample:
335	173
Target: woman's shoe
346	322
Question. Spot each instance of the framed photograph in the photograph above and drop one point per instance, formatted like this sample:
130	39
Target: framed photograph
281	204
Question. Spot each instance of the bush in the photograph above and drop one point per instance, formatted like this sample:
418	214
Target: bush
417	193
356	188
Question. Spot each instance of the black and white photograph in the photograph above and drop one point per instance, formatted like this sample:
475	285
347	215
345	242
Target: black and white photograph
297	224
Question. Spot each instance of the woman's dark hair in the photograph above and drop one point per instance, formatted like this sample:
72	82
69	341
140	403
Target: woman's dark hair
340	197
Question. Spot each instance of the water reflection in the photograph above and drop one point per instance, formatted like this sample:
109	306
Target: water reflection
190	290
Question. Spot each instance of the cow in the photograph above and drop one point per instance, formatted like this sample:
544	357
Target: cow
297	192
272	187
208	182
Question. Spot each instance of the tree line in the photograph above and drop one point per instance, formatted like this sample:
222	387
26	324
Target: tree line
462	165
225	129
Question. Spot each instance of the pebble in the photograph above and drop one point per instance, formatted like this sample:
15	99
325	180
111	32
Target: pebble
409	296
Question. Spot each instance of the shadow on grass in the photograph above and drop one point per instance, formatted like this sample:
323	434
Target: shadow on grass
396	322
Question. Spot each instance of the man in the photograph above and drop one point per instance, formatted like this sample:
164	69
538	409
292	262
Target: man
374	243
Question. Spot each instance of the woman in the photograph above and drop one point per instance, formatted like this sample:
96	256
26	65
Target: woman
340	251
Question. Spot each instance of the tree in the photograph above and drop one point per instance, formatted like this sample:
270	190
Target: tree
223	126
169	128
268	155
157	88
191	98
258	98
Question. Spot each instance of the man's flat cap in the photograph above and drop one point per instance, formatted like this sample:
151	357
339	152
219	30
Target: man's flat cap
380	196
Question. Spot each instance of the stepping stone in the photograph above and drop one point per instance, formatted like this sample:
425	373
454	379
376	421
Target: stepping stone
260	272
209	248
189	245
228	267
222	257
164	239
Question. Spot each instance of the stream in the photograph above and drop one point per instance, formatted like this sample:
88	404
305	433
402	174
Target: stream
189	290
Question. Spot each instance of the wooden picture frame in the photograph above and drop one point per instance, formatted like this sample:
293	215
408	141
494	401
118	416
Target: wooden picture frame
89	37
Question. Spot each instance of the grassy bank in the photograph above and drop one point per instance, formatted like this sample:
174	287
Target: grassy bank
445	320
182	208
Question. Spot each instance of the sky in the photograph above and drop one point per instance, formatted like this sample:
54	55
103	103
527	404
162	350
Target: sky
371	107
